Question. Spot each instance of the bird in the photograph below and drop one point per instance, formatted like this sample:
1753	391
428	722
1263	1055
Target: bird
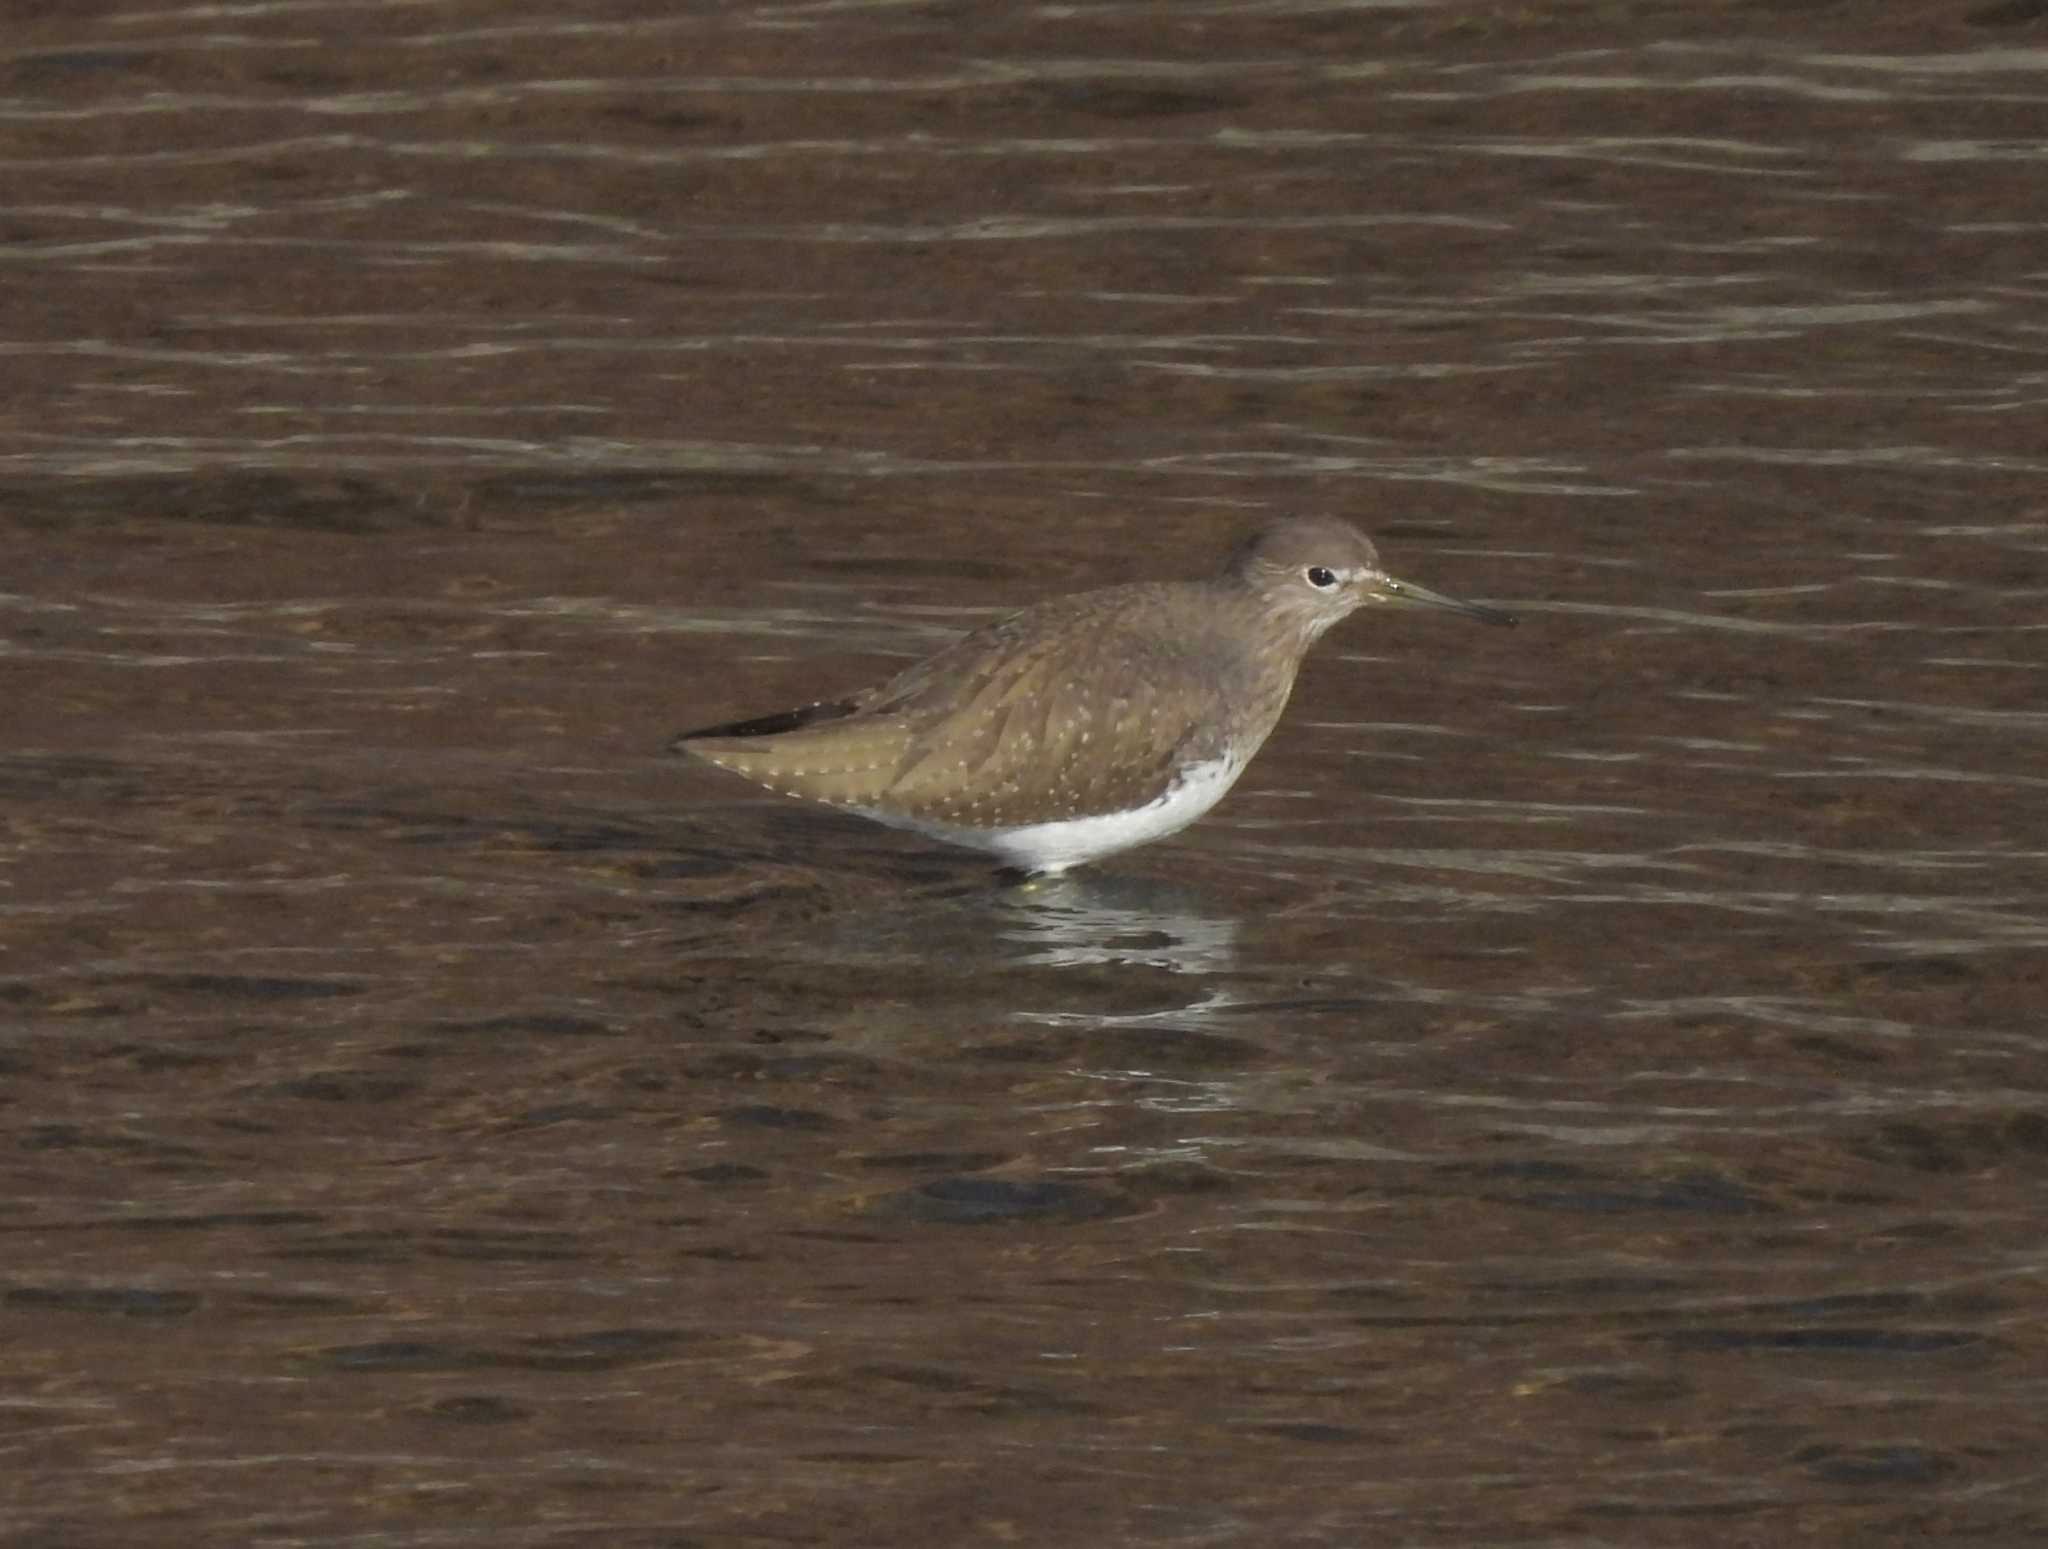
1086	724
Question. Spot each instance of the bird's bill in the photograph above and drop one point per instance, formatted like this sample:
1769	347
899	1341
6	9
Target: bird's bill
1408	594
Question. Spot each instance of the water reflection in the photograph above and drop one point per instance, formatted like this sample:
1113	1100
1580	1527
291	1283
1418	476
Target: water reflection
1083	919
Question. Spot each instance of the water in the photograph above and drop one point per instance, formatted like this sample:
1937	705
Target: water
1583	1086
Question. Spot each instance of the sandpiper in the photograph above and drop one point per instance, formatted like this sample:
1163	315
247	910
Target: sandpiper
1089	723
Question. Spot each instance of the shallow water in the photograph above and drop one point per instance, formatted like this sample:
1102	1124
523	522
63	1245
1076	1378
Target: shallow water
1585	1086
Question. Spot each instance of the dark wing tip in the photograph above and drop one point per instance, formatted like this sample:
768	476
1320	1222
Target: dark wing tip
768	725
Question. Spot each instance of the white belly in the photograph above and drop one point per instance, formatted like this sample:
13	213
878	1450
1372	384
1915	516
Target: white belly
1054	846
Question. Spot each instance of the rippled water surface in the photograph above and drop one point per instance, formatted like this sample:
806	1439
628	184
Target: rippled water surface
1586	1086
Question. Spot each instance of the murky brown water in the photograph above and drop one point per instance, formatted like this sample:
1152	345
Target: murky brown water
1586	1087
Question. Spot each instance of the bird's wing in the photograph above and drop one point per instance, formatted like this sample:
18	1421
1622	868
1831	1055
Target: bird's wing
1068	709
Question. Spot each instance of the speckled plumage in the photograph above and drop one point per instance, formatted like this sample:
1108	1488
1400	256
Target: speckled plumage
1085	724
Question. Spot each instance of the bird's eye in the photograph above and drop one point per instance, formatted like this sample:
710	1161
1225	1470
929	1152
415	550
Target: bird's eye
1321	577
